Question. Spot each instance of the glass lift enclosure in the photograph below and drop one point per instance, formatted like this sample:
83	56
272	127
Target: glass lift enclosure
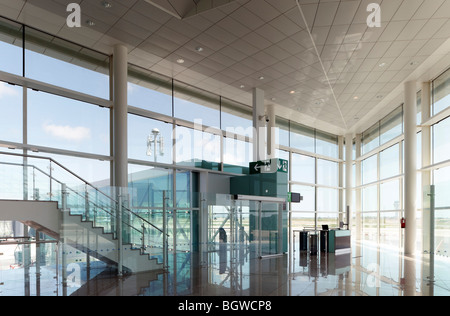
243	223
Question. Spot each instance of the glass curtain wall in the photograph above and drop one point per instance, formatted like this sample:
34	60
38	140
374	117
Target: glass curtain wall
381	179
382	166
314	164
440	159
64	111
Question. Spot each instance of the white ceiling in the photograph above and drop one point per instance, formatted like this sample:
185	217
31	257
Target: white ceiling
357	79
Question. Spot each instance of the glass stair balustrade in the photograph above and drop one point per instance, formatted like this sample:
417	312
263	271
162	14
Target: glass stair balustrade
90	215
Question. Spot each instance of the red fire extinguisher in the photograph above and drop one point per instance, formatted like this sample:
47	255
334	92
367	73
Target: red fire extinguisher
403	222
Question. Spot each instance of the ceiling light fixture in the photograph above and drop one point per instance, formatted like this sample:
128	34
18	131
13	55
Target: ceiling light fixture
319	102
90	23
180	61
261	78
382	65
106	4
292	92
355	98
242	86
199	49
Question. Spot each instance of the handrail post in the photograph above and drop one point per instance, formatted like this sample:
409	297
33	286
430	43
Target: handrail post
64	195
143	239
86	204
119	232
165	239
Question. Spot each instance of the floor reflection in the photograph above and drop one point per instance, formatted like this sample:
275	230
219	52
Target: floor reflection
369	270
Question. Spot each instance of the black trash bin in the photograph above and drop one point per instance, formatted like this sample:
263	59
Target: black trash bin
313	243
303	241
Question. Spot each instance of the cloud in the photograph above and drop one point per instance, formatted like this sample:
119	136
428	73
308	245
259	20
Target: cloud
69	133
6	90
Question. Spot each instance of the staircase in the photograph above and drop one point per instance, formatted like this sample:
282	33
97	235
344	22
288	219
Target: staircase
77	214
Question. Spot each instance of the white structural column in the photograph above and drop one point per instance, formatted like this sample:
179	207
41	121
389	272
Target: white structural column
358	204
410	117
349	177
259	150
426	161
120	116
271	132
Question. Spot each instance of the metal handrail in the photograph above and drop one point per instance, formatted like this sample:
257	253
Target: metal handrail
79	178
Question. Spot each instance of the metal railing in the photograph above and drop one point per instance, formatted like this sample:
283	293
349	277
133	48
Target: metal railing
80	197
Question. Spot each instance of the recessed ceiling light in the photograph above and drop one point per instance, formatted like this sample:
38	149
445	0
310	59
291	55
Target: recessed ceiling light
355	98
292	92
90	23
106	4
382	65
319	102
199	49
242	86
261	78
180	61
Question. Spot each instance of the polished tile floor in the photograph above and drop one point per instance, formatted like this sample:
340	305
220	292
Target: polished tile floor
369	270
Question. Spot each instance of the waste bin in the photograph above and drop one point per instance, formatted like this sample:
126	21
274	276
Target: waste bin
313	243
303	241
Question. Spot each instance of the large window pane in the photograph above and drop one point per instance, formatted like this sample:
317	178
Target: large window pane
64	123
390	196
327	200
330	219
370	226
309	198
391	125
236	118
197	106
11	55
197	149
283	131
141	139
369	169
327	144
371	139
327	172
236	152
302	137
441	92
442	204
390	162
11	109
390	228
441	141
303	169
149	91
370	198
302	220
94	171
442	183
147	185
67	65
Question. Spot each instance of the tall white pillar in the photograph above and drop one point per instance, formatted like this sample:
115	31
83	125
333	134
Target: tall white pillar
259	146
358	200
271	132
410	117
426	161
120	116
349	177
